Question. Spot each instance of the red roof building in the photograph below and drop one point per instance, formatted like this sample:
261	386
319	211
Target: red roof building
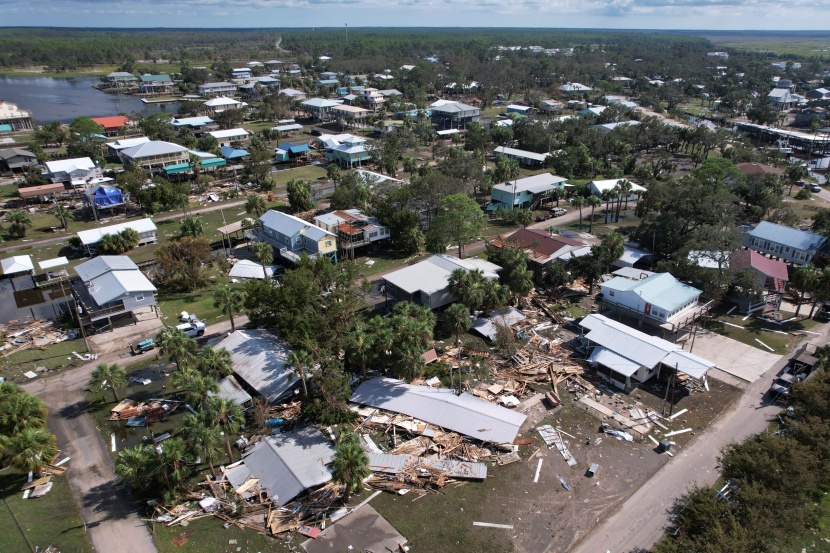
112	123
774	271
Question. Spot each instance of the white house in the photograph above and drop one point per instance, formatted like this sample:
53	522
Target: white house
145	228
227	136
222	103
68	170
622	354
111	285
212	90
781	99
660	297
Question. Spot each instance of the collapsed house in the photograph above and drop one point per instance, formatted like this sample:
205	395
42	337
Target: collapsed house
284	465
465	413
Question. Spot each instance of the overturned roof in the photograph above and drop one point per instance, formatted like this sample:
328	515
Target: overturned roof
258	358
361	530
465	414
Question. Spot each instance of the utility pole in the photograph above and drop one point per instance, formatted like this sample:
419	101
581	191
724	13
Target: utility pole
347	34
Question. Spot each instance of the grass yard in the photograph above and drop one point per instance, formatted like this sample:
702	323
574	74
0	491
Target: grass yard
200	302
54	357
752	329
306	172
383	261
207	535
816	540
53	519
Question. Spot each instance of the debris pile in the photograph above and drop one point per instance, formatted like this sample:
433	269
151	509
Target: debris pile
141	414
22	335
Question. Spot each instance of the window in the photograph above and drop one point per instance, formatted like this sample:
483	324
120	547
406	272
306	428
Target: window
139	297
328	243
612	293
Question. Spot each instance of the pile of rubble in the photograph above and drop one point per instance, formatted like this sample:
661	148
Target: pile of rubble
141	414
22	335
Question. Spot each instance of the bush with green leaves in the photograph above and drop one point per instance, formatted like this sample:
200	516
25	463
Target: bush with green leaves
116	244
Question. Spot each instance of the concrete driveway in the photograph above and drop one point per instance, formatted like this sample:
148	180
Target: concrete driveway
747	363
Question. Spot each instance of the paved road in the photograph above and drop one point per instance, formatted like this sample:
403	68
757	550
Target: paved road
107	506
641	520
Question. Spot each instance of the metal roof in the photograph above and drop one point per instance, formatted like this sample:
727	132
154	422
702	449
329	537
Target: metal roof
125	143
661	290
245	268
615	361
488	327
69	165
229	388
363	529
320	103
609	184
536	184
153	148
258	358
433	274
465	414
97	266
54	262
17	264
93	236
521	153
115	285
794	238
221	101
283	223
289	463
229	133
192	121
629	345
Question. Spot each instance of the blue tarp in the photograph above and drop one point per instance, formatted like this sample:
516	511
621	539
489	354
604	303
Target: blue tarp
107	196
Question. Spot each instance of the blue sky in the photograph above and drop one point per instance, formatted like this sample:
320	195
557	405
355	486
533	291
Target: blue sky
617	14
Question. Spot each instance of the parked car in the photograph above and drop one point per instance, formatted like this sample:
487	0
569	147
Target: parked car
814	187
192	329
558	211
782	384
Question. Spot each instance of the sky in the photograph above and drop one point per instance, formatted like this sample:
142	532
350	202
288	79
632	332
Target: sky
611	14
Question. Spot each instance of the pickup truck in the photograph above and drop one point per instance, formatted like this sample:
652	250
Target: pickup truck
193	329
558	211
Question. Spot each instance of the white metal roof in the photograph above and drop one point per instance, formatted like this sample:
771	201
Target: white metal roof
489	326
54	262
245	268
93	236
127	143
258	358
153	148
97	266
433	274
465	414
320	103
608	184
69	165
117	284
17	264
229	133
289	463
618	363
626	343
504	150
221	101
536	184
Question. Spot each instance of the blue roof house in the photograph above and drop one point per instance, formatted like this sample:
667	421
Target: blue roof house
294	237
659	298
785	243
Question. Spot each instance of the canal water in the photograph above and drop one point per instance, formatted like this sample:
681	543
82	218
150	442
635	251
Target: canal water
28	302
50	99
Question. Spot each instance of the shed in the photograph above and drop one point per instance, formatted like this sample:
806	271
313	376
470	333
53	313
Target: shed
245	268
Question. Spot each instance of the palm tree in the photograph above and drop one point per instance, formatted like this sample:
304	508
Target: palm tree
520	281
578	202
360	346
204	438
31	448
805	280
64	214
182	377
467	287
333	173
7	390
625	190
108	375
458	318
199	388
300	363
351	464
230	300
20	411
255	205
610	196
176	345
593	202
264	253
228	414
136	465
212	360
172	460
192	226
18	222
494	295
410	165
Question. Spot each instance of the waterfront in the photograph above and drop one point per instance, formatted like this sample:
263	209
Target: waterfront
51	99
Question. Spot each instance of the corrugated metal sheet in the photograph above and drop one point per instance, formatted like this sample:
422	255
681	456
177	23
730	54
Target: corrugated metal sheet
230	389
116	284
798	239
289	463
285	224
615	361
17	264
536	184
489	326
629	344
465	414
93	236
97	266
432	275
245	268
661	290
237	475
258	358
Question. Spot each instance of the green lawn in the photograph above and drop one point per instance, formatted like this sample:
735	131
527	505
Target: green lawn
207	535
753	329
307	172
54	357
8	192
199	302
53	519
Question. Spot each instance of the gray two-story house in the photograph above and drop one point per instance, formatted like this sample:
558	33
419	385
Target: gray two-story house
786	243
293	237
110	286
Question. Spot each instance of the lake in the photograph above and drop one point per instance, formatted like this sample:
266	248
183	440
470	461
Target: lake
66	99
